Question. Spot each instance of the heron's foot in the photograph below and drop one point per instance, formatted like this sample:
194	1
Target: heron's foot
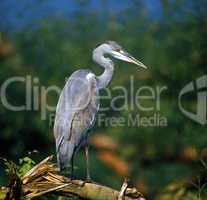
72	177
89	180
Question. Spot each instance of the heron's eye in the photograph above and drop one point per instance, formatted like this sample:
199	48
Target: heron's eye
119	50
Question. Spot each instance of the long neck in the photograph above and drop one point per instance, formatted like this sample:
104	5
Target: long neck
105	78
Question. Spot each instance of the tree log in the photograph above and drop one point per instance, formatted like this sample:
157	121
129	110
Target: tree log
44	179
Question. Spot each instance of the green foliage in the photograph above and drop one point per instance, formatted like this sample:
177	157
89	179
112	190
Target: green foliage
25	164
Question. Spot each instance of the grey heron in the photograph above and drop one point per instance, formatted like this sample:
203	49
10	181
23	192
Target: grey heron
78	103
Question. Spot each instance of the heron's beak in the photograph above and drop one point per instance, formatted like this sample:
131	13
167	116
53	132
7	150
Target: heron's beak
123	55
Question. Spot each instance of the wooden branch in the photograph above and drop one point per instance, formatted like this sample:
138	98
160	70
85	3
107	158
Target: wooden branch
44	179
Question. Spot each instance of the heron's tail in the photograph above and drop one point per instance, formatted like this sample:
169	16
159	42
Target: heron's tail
64	154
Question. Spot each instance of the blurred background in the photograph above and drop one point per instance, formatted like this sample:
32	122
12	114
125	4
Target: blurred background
49	39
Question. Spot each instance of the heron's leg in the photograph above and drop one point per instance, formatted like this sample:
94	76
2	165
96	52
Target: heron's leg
88	177
72	167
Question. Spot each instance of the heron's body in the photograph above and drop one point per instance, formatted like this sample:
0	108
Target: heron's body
78	103
75	114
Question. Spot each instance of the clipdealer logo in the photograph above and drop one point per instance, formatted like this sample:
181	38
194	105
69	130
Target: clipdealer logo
199	87
36	99
127	99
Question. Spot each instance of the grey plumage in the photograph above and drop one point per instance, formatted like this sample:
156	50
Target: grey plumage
75	114
78	103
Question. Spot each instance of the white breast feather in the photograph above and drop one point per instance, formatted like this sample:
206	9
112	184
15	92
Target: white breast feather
89	76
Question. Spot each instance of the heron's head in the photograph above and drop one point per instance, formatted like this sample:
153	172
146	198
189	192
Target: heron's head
116	51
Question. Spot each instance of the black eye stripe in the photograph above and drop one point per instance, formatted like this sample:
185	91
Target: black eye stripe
98	45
